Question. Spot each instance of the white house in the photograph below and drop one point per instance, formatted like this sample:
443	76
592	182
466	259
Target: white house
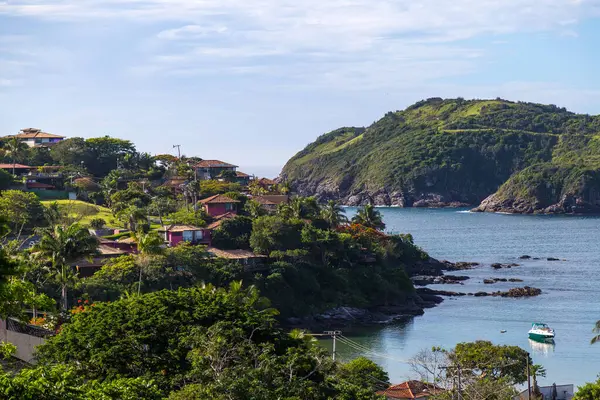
34	137
563	392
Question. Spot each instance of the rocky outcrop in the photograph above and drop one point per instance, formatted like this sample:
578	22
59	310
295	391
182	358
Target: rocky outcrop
515	292
503	266
491	281
547	189
421	280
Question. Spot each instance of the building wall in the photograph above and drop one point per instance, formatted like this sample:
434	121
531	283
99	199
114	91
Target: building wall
219	209
175	238
26	344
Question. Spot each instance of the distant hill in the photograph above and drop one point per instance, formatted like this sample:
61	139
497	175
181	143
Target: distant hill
513	157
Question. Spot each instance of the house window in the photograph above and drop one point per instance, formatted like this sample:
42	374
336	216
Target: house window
199	235
228	206
188	236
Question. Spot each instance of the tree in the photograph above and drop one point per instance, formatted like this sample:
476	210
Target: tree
430	364
148	335
228	176
15	148
333	214
148	245
188	217
22	209
270	233
233	233
589	391
60	382
368	216
254	209
535	371
131	217
482	358
284	188
596	329
62	246
6	179
256	189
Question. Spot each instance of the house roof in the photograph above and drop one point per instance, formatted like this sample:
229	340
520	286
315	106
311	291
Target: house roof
34	133
219	220
240	174
233	254
267	181
410	390
110	251
17	166
218	199
39	185
86	181
214	164
272	199
175	181
179	228
128	240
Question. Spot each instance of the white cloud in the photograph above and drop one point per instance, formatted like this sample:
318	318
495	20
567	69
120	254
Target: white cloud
335	42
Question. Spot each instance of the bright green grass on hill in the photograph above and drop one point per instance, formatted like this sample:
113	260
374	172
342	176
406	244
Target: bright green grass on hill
83	211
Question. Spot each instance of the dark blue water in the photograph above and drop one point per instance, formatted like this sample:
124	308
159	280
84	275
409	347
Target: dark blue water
570	302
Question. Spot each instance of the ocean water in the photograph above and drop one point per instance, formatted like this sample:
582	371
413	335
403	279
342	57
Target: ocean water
570	302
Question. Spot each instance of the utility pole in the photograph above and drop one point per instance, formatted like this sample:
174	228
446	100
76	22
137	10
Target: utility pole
178	150
334	335
459	383
528	379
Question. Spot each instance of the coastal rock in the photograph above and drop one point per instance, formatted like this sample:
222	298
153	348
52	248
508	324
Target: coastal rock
459	266
438	280
525	257
500	266
522	292
552	259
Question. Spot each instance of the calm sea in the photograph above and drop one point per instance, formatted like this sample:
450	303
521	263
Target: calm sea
570	302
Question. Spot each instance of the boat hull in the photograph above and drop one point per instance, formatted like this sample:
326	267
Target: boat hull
540	337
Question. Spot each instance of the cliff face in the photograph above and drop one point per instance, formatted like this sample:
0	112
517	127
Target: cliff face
439	153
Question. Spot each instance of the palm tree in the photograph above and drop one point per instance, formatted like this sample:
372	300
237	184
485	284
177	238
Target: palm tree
148	245
596	329
334	214
535	371
131	217
14	147
368	216
284	187
254	209
256	189
62	246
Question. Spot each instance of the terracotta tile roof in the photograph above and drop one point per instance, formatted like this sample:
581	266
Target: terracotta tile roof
110	251
179	228
33	133
218	199
129	240
175	181
219	220
39	185
240	174
233	254
272	199
214	164
267	181
18	166
410	390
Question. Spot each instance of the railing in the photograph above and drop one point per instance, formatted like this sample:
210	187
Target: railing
32	330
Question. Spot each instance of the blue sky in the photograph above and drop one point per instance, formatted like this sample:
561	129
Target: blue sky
253	81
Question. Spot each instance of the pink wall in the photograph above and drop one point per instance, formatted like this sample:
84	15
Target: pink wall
218	209
175	238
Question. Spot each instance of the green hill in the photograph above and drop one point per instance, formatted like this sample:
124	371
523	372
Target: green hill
540	158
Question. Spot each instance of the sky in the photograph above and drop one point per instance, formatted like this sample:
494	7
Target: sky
252	82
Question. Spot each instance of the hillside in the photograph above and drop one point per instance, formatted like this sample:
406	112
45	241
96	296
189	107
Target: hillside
540	158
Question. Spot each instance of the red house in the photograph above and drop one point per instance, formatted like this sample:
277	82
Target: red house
219	205
175	234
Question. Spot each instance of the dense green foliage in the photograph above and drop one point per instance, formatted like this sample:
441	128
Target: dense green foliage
200	343
589	391
462	150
